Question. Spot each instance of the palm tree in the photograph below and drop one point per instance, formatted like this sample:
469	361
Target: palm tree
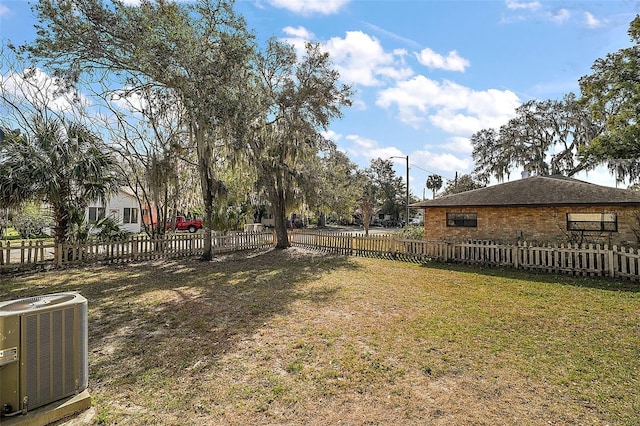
434	183
61	163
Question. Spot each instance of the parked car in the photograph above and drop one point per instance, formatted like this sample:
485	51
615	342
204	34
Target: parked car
182	224
415	221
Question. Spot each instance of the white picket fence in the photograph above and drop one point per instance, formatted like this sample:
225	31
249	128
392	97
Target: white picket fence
574	259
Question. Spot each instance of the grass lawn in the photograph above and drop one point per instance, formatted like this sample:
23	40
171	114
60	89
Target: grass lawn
293	337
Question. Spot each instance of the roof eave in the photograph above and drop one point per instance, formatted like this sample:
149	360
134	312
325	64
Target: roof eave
580	204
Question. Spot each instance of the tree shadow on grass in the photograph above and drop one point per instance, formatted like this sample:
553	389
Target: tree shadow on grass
160	320
594	282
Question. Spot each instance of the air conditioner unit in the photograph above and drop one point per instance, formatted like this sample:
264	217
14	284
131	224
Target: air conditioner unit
43	351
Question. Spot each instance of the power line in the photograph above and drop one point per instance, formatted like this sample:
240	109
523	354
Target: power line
429	171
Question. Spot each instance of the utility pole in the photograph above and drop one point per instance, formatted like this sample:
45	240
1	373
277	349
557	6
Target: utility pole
406	223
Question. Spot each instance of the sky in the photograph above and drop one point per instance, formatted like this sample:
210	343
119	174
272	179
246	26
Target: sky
427	74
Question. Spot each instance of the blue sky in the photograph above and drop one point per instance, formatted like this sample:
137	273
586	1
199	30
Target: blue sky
428	74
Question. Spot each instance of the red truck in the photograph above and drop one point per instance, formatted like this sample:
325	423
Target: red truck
182	224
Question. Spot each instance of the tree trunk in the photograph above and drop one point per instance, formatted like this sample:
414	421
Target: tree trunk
207	222
367	214
207	183
366	220
62	224
322	220
280	222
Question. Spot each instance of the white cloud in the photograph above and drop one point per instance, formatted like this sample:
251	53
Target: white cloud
361	59
516	5
459	123
559	16
394	73
298	37
524	11
458	144
362	143
128	100
591	21
453	61
369	148
40	90
400	53
299	32
4	11
451	107
384	153
331	135
441	162
358	103
308	7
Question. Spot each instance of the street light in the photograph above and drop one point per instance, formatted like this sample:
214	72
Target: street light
407	218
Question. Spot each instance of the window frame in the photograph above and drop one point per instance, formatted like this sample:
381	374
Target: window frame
98	214
128	217
462	220
574	225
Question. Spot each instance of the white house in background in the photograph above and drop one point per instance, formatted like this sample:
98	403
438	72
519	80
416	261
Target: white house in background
123	207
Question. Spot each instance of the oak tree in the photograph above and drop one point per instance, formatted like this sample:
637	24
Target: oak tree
197	50
612	94
295	99
544	138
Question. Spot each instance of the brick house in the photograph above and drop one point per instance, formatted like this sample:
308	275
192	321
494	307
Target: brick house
542	209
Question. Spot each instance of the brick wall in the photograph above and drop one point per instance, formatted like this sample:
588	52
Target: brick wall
532	224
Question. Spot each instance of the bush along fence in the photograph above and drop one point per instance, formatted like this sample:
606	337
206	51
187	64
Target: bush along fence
41	255
573	259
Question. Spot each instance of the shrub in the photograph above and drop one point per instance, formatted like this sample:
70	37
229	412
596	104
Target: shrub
4	227
109	229
31	220
413	233
106	229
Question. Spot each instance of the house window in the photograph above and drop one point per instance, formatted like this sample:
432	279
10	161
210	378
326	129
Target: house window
600	222
130	215
466	220
96	214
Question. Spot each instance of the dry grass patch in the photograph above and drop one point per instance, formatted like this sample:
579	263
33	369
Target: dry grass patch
293	337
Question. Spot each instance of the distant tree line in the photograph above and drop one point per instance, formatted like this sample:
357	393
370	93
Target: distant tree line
578	133
600	126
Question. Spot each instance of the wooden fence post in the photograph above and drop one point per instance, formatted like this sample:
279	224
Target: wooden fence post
611	259
57	254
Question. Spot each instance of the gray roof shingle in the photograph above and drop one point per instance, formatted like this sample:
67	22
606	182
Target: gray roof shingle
537	191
